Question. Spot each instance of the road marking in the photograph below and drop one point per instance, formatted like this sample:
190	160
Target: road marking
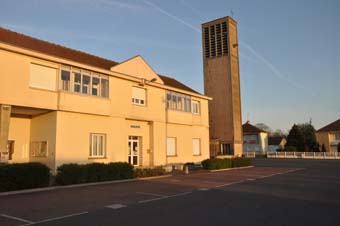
227	184
56	218
165	197
203	189
152	194
250	179
16	218
116	206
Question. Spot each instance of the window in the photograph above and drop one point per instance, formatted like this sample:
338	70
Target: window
10	149
95	86
42	77
177	101
171	146
104	87
98	145
77	82
337	136
65	80
195	107
85	82
196	146
138	96
39	148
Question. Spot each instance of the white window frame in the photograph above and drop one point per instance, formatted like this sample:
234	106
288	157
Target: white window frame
173	153
199	147
103	92
195	110
36	148
95	145
138	101
337	136
65	83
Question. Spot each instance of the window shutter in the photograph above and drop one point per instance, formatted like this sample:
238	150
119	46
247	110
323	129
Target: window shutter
43	77
196	147
171	146
138	93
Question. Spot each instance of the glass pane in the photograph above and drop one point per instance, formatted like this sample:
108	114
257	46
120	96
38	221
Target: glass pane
86	82
135	159
104	87
95	86
77	82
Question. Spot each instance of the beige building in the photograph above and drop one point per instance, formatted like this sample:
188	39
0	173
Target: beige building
329	136
222	83
60	105
254	139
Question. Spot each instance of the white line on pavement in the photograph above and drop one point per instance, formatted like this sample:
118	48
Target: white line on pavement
116	206
16	218
152	194
56	218
165	197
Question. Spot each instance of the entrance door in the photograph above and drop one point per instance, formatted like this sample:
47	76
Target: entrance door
134	147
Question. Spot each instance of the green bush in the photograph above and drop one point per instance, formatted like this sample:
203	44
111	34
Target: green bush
23	176
212	164
239	162
149	172
93	172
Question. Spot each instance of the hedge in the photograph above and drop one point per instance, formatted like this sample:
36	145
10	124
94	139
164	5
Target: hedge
213	164
93	172
239	162
20	176
149	172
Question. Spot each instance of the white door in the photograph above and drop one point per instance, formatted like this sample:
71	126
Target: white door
133	157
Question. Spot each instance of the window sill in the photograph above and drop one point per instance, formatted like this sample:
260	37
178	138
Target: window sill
98	157
172	156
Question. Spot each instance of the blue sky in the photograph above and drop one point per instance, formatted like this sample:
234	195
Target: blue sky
289	50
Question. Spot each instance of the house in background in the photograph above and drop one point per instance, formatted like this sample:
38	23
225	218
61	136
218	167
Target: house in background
254	139
329	136
59	105
276	143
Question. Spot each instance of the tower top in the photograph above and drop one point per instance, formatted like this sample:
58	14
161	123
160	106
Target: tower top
221	19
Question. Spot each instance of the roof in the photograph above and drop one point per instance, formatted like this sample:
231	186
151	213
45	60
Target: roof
334	126
176	84
275	140
249	128
37	45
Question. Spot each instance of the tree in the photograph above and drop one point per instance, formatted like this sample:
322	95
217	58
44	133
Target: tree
264	127
323	148
295	139
309	137
339	147
278	133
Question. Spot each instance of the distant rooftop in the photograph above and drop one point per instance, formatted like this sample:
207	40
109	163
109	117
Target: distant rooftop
332	127
249	128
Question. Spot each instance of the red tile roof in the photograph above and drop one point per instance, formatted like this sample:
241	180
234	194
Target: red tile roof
249	128
37	45
333	127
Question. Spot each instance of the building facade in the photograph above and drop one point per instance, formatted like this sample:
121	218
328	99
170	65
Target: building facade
60	105
276	143
329	136
254	139
222	83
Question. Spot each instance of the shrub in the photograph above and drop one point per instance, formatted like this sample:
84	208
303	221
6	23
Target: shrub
291	149
93	172
149	172
239	162
23	176
212	164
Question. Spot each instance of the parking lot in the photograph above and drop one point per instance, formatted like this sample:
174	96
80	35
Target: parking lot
287	192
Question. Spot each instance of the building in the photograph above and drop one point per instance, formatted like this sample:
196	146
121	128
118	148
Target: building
60	105
222	83
329	136
276	143
254	139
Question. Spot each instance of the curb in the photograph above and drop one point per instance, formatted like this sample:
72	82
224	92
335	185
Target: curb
34	190
227	169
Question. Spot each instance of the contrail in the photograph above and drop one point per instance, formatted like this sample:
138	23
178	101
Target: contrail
171	16
266	62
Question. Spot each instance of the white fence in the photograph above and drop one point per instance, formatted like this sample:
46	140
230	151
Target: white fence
304	155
